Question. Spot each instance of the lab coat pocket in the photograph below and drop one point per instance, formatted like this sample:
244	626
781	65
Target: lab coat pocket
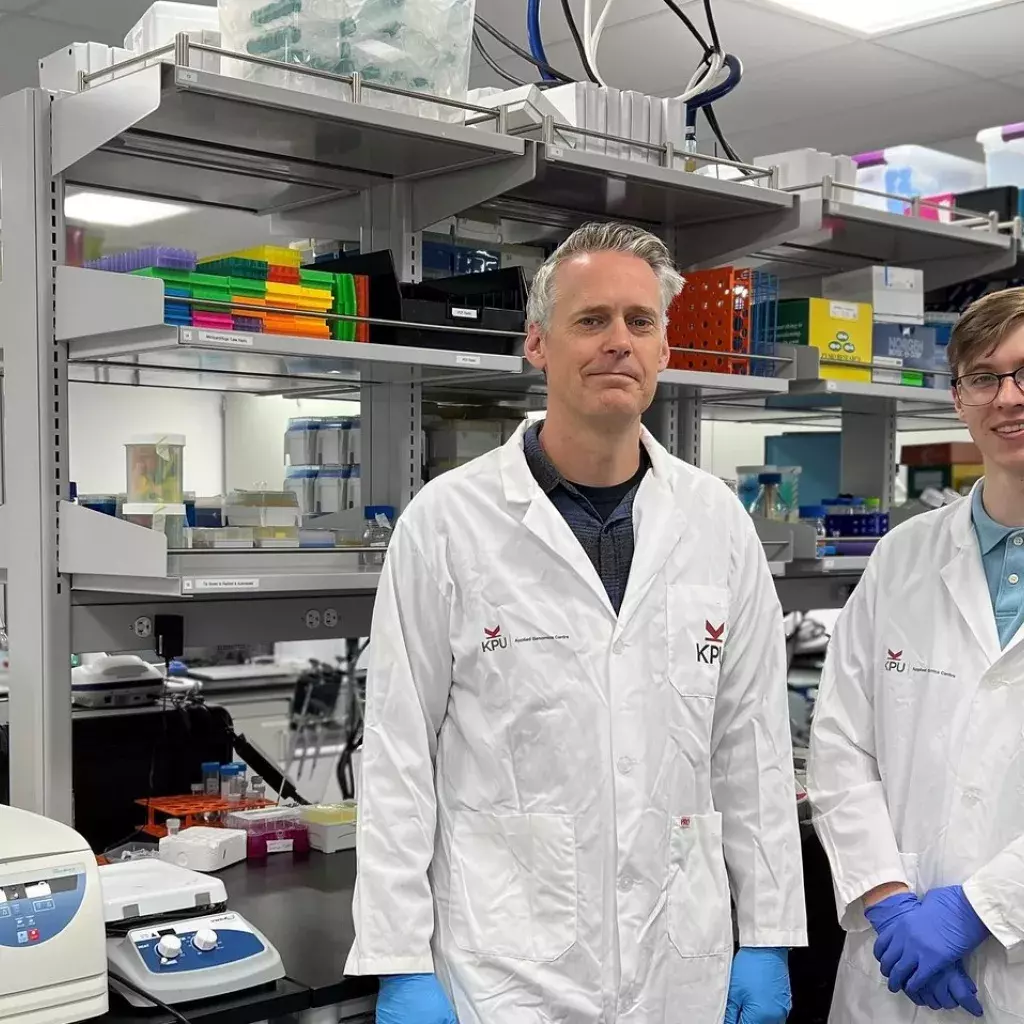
696	633
699	908
514	885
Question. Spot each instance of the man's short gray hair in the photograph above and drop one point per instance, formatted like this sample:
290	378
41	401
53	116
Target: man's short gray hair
603	237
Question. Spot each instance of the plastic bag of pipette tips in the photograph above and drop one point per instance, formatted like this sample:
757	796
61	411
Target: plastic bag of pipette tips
418	45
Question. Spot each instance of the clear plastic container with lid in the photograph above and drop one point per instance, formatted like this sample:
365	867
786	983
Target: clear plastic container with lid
155	468
379	519
1004	155
769	504
912	171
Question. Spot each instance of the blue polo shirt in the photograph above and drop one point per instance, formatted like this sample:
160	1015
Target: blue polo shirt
1002	554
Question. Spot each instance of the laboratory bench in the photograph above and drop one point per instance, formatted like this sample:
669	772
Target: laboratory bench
304	907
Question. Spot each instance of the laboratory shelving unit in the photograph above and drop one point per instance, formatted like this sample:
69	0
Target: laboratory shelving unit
329	167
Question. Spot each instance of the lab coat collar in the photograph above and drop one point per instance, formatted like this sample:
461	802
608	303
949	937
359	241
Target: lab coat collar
964	578
654	508
521	488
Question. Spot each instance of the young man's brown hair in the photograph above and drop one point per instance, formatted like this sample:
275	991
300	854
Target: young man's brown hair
983	325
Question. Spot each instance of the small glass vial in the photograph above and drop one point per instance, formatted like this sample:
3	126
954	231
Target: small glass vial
227	778
814	515
377	534
211	778
257	788
173	826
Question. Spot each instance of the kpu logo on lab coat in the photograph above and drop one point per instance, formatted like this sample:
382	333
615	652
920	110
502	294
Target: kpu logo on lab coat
710	652
895	662
495	641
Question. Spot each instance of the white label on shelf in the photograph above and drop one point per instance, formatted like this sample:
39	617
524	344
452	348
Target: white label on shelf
555	152
465	359
224	583
462	313
220	338
189	76
843	311
829	565
280	845
893	361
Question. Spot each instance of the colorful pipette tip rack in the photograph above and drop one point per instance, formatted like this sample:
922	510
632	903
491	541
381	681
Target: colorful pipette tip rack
247	324
159	256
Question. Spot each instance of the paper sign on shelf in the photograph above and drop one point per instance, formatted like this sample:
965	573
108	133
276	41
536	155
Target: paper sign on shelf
226	583
222	338
467	360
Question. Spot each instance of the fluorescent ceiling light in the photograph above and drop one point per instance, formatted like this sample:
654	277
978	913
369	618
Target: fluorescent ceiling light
116	210
873	17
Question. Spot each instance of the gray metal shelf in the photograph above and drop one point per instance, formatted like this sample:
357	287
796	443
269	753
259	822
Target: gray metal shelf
573	185
837	234
234	361
191	135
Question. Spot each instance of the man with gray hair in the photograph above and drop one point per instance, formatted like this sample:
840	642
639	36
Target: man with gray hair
577	753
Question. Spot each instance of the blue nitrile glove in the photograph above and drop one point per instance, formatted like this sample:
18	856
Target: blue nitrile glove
413	999
759	987
951	988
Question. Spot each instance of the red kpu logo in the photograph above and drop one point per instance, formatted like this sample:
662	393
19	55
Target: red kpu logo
710	652
495	641
895	662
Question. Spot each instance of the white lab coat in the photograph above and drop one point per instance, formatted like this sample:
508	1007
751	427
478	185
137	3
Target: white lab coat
917	760
597	781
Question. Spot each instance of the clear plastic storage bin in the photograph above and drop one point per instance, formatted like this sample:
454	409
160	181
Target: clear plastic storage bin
1004	154
419	45
155	468
912	171
165	19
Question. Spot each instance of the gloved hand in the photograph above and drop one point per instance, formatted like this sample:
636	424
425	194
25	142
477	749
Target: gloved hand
413	999
921	944
759	987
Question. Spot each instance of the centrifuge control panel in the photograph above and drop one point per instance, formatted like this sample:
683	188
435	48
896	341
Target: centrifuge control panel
35	907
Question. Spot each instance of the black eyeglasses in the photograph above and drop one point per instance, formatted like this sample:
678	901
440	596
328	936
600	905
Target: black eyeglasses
982	388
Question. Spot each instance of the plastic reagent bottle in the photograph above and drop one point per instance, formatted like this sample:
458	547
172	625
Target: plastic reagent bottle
769	504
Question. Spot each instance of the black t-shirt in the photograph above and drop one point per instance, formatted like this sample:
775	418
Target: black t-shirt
607	499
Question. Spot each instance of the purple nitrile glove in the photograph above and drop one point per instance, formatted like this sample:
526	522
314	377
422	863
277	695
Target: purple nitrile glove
413	999
944	983
759	987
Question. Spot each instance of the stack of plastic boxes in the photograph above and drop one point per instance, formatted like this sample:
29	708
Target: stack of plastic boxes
271	277
322	456
418	45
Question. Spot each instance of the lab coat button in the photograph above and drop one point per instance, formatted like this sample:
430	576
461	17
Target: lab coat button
1013	578
1017	541
625	765
626	883
618	647
972	796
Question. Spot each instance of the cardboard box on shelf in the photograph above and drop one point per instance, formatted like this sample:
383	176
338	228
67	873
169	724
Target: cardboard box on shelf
840	331
945	454
896	294
905	354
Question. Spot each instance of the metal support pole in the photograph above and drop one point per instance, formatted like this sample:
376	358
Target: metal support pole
35	398
868	448
391	417
675	422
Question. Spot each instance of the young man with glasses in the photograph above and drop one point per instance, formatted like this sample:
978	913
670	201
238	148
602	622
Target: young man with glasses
917	749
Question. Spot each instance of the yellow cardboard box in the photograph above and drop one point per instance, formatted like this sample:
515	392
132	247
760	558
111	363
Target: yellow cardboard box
840	331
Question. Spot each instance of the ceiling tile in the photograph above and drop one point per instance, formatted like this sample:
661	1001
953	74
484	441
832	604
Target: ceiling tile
758	36
17	5
927	119
987	44
828	83
24	41
1015	81
510	17
108	21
